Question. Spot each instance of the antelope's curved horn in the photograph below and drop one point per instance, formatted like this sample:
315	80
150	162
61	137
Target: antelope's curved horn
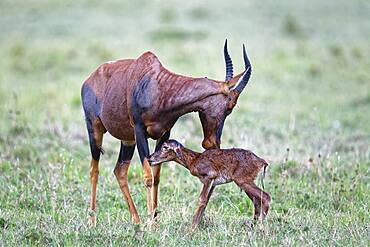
228	63
247	73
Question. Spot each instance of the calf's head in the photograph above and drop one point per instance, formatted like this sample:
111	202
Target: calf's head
216	108
170	150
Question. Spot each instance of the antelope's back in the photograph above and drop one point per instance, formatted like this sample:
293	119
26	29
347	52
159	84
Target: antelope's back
108	92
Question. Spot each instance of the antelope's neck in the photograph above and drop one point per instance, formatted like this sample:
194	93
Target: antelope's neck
182	94
171	96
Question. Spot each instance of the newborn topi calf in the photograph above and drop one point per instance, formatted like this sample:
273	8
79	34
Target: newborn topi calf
218	166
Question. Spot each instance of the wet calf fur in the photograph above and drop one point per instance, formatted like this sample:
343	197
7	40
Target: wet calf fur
215	167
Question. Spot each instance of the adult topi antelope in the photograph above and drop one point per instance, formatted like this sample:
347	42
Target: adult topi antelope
137	99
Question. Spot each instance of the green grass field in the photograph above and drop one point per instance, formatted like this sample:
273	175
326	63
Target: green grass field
309	93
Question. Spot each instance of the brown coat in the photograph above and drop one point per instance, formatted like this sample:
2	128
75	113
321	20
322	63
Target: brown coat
137	99
216	167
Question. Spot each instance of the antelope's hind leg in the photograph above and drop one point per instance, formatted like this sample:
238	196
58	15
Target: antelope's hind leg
95	130
121	171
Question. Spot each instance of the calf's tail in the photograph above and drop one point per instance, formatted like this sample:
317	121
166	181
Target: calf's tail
265	164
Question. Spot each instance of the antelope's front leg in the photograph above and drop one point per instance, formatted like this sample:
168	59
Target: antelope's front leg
202	203
157	173
121	172
143	148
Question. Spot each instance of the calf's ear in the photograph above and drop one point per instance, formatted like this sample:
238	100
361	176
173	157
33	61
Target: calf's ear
178	153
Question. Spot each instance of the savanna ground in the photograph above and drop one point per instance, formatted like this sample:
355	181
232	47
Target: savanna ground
309	93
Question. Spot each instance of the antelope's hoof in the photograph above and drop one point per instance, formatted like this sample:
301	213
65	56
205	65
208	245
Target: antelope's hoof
136	220
153	224
93	221
193	229
154	215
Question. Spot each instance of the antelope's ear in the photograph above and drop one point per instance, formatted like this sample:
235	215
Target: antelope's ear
233	81
225	89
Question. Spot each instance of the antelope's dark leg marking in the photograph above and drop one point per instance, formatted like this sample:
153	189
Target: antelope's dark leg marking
91	104
95	145
157	172
141	100
160	141
125	153
121	172
219	130
92	107
95	131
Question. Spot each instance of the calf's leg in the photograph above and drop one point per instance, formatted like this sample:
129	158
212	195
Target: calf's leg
207	190
261	200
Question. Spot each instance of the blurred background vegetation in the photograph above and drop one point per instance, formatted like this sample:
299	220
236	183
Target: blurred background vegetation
306	110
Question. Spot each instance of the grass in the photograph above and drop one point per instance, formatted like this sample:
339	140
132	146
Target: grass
306	110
